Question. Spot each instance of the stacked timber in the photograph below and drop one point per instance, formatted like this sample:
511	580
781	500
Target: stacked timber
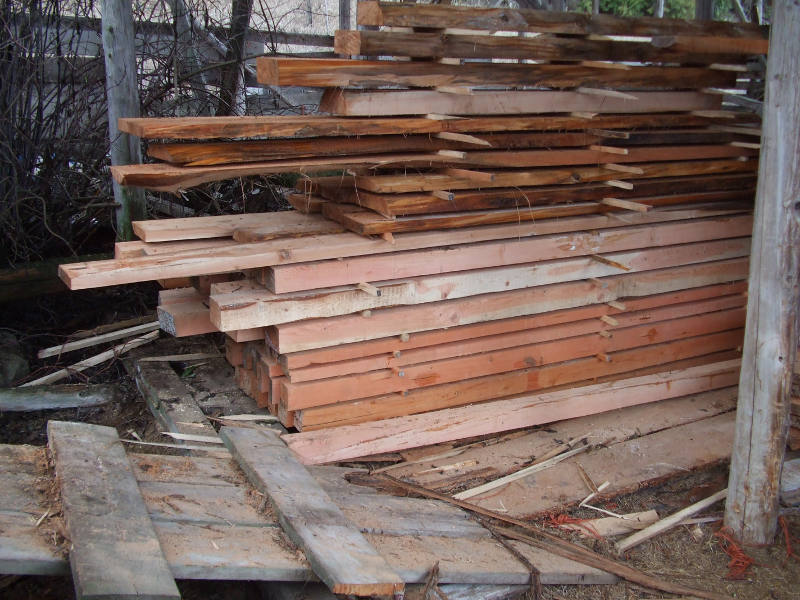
556	208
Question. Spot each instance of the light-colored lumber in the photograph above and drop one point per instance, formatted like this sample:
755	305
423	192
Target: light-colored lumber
94	360
407	432
668	523
96	340
772	329
297	336
611	526
283	279
414	102
244	256
337	551
245	308
56	397
113	542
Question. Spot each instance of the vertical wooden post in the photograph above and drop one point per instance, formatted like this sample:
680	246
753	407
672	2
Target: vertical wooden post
658	11
595	7
344	14
231	97
704	10
770	342
123	101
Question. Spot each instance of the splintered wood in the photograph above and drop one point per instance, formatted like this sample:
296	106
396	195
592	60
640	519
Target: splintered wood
542	225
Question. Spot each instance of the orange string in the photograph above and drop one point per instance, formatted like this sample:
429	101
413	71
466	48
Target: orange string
561	520
739	561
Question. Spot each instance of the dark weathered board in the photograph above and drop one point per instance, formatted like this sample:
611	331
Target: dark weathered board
113	539
338	552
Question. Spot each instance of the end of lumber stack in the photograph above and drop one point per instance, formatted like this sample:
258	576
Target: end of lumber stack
509	214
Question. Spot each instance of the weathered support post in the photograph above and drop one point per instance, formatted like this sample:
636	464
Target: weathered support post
123	101
770	341
704	10
658	11
344	14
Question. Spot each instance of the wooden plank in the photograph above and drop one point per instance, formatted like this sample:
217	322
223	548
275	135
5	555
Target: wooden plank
310	126
244	256
280	224
302	276
113	540
698	300
56	397
334	72
407	432
338	553
234	306
294	337
490	387
790	482
772	329
411	102
408	377
420	44
504	19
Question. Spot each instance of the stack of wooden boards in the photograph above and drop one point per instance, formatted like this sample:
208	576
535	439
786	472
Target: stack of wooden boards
491	116
600	230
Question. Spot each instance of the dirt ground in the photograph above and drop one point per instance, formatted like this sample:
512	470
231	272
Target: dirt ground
692	555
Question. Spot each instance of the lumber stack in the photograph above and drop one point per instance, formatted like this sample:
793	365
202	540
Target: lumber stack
556	208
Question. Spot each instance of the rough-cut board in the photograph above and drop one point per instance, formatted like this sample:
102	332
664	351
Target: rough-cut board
309	126
238	306
419	44
533	379
353	441
416	102
112	536
339	554
303	276
284	224
332	72
442	16
690	301
204	261
321	333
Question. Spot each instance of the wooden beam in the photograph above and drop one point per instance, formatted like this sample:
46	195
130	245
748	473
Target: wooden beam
417	102
771	341
113	542
353	441
337	551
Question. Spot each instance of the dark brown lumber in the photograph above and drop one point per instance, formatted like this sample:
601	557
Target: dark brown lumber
334	72
214	153
337	551
303	203
343	443
284	224
678	49
239	306
505	19
493	362
321	333
171	178
770	347
113	542
314	275
656	192
416	102
240	257
428	182
723	295
308	126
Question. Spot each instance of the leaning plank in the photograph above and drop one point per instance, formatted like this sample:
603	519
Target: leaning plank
238	257
113	540
333	72
411	102
303	276
343	443
465	44
319	333
96	340
307	126
280	224
442	16
338	553
56	397
237	306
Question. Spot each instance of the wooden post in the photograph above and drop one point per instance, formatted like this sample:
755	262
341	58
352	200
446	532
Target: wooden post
658	11
704	10
770	341
123	101
344	14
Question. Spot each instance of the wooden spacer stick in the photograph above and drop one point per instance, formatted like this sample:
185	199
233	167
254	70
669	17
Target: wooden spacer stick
387	235
751	145
598	282
609	320
603	333
603	357
452	154
609	262
623	185
608	133
438	117
616	304
623	168
609	149
443	195
455	90
469	174
461	137
368	288
626	204
606	93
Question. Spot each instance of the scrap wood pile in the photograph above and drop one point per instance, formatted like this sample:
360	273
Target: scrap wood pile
579	215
